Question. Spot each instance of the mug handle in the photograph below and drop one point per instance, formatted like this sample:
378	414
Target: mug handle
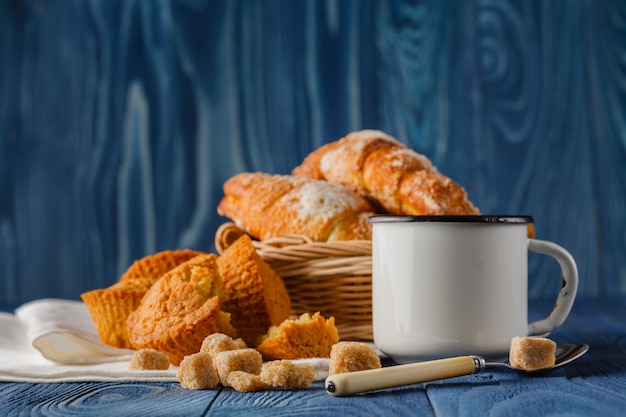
569	287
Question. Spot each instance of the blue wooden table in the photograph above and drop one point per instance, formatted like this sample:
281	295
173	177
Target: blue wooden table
594	385
120	121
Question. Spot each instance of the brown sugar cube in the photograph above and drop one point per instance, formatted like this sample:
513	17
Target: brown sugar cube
352	356
240	343
247	360
288	375
246	382
197	372
149	359
220	342
532	353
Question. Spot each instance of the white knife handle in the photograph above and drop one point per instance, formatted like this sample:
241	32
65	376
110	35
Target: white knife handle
394	376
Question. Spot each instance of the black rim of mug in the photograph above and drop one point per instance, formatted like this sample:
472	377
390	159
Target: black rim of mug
491	218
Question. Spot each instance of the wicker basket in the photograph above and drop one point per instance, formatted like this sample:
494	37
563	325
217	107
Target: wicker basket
334	278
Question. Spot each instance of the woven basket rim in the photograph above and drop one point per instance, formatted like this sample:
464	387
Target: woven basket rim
298	246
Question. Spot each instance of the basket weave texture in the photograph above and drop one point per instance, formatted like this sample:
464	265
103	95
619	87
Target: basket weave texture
334	278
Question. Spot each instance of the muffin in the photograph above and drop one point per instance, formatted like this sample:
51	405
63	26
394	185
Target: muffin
306	337
156	265
256	296
180	310
110	307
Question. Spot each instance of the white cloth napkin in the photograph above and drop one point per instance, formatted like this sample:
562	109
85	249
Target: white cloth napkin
52	340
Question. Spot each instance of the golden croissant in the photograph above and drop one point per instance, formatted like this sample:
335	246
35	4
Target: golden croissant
394	177
268	206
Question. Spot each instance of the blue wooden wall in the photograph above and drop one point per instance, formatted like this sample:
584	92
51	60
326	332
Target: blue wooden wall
120	120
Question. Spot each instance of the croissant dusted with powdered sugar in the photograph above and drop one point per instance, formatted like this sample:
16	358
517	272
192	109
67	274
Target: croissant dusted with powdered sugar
398	179
268	206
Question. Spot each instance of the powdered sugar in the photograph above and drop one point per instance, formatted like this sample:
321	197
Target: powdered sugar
433	206
333	163
323	200
336	159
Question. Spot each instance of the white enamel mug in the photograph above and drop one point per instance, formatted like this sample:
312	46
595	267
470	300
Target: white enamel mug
458	285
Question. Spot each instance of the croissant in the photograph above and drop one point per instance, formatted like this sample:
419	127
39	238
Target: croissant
393	177
268	206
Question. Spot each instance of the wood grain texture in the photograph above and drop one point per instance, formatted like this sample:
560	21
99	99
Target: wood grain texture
593	385
316	402
120	120
104	399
